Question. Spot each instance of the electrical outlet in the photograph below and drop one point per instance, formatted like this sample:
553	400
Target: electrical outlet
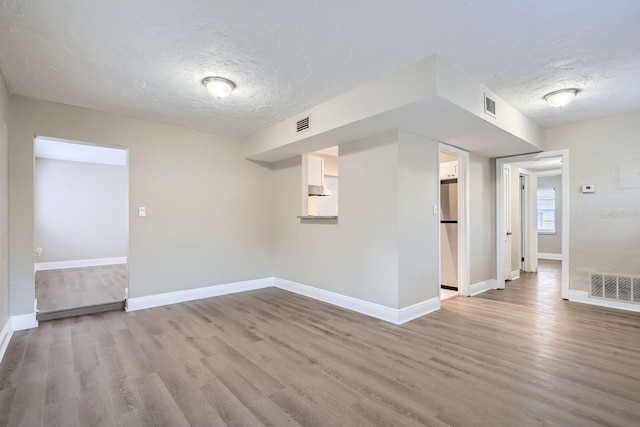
38	251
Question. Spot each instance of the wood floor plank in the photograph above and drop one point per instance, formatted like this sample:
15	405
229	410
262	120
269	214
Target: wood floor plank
520	356
160	408
69	288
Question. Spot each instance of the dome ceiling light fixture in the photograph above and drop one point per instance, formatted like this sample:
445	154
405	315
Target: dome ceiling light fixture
219	86
560	98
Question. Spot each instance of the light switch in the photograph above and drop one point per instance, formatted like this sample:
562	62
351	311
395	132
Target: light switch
435	209
142	211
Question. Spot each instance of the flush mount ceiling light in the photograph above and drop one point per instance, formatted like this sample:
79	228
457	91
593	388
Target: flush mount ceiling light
560	98
219	86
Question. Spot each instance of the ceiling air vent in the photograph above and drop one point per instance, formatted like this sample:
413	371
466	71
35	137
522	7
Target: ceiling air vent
489	106
303	124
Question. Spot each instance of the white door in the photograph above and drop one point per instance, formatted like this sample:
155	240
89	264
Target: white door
506	174
524	232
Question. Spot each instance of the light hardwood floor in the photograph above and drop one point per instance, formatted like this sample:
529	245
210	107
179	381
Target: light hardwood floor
517	357
80	287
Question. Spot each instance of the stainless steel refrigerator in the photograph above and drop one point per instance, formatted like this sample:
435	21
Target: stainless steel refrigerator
449	233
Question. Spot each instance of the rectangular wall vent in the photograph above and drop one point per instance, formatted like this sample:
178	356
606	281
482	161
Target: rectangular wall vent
614	287
489	106
303	124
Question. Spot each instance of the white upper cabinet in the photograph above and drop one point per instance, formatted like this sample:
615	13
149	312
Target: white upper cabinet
449	170
316	170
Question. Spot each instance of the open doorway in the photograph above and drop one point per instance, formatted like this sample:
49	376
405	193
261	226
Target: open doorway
81	227
533	217
454	222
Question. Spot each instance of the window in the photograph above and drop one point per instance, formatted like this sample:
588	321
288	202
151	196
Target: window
546	211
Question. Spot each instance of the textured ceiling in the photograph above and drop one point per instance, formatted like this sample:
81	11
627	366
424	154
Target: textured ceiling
147	58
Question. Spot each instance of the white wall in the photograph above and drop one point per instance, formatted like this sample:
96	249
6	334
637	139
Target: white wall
80	210
552	243
600	242
4	204
207	223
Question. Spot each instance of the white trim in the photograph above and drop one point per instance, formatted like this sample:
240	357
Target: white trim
418	310
361	306
5	337
55	265
544	255
365	307
24	321
158	300
515	274
584	298
480	287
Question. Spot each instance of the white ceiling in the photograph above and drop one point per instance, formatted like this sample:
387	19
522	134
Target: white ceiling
147	58
331	151
59	149
541	165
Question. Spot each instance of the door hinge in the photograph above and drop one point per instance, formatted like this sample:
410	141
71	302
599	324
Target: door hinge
522	259
522	186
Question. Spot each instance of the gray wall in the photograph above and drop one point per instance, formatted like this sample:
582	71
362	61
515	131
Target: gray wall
80	210
482	208
384	246
356	256
418	228
207	223
552	243
600	241
4	201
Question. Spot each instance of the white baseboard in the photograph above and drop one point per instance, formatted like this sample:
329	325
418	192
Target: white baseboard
56	265
583	297
141	303
397	316
555	257
5	337
24	321
515	274
361	306
418	310
480	287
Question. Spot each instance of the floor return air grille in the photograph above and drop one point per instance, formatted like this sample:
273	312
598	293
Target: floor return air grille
614	287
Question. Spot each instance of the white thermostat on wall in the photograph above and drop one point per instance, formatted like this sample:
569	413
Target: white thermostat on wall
588	188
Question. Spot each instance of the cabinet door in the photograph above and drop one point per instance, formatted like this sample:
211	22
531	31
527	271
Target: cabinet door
448	170
454	169
315	170
444	171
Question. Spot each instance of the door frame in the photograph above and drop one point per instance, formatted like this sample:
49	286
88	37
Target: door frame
500	213
464	219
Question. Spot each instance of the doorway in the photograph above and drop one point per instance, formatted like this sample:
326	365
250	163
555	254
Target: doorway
530	221
81	227
454	222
